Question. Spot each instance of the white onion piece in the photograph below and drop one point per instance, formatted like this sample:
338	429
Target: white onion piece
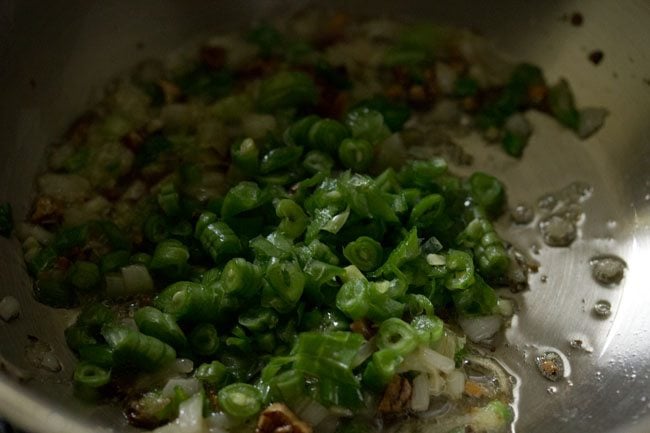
95	208
219	422
420	397
391	152
426	360
480	328
449	344
9	308
519	125
591	119
135	191
446	78
506	307
190	418
211	133
240	52
312	412
179	116
256	125
436	259
445	111
129	322
136	279
25	231
436	383
60	156
432	361
189	386
365	351
115	287
50	362
184	365
455	384
64	187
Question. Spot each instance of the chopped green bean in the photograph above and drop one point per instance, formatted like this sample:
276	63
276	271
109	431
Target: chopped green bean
326	135
356	154
204	339
132	349
365	253
213	373
162	326
240	400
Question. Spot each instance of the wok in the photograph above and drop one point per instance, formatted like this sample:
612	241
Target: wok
56	55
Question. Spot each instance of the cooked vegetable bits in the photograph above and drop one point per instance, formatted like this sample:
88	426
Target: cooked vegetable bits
252	239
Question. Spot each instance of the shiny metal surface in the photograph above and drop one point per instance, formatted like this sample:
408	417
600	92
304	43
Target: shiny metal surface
56	55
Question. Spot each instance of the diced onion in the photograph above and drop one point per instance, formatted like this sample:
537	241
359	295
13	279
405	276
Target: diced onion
190	418
421	397
95	208
449	344
137	279
257	125
31	248
9	308
506	307
445	111
455	384
436	383
312	412
115	287
219	422
436	259
179	116
135	191
64	187
480	328
184	365
365	351
446	78
25	230
189	386
426	360
433	360
50	362
591	119
328	425
519	125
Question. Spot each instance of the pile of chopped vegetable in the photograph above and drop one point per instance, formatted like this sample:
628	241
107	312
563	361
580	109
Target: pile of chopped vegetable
255	246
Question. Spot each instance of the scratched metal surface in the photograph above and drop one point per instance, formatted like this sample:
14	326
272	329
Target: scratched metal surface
57	54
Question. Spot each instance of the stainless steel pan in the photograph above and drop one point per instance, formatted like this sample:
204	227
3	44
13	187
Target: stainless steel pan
55	55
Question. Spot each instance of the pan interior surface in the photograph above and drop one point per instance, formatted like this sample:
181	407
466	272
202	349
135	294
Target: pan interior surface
58	55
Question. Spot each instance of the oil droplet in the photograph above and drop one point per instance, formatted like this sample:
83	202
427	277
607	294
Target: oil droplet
543	278
607	269
522	213
547	202
602	309
557	231
551	365
552	390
